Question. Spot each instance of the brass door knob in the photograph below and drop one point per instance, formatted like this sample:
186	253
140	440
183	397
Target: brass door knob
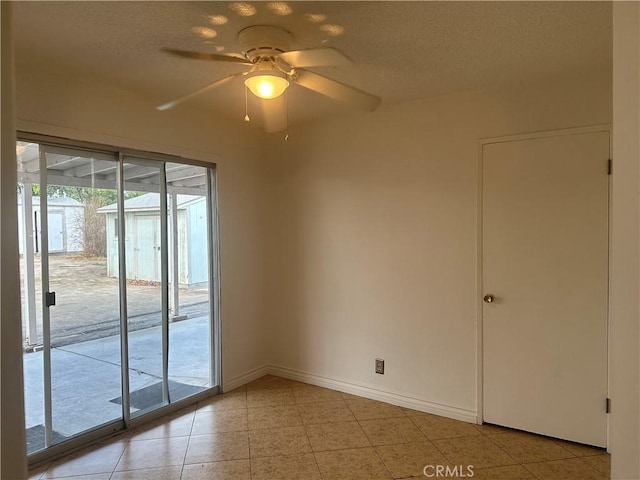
488	298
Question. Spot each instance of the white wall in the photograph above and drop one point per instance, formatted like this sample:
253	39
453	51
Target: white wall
624	427
376	248
51	102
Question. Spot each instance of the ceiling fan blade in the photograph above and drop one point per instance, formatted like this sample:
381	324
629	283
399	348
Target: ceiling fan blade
336	90
217	83
206	56
274	114
315	57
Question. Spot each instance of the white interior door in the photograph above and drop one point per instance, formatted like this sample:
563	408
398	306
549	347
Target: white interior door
545	261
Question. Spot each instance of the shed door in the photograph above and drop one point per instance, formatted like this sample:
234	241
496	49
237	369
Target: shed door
545	261
147	247
56	232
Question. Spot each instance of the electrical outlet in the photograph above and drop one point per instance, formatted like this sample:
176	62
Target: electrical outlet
380	366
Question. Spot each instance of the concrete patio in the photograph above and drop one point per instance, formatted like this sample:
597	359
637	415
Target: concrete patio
86	383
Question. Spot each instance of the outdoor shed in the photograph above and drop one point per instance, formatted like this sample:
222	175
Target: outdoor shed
143	238
66	224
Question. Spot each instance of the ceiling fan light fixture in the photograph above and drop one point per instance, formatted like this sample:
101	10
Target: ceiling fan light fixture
266	86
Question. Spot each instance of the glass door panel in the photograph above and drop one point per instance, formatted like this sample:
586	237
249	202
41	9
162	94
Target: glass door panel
189	287
144	221
82	331
28	156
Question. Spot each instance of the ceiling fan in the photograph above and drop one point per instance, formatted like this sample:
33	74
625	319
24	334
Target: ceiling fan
273	67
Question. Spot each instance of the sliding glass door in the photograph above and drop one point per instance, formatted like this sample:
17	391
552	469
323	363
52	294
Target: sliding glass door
144	222
81	327
117	266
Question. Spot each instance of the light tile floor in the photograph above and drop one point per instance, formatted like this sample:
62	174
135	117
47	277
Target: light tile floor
275	428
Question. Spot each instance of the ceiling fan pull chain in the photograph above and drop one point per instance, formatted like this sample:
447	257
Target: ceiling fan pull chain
246	106
286	110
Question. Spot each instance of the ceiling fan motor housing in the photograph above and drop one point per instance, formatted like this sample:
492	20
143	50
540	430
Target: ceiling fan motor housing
264	41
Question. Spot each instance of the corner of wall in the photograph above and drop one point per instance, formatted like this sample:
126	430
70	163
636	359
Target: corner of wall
624	339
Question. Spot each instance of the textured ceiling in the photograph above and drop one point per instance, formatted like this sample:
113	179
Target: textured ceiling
402	50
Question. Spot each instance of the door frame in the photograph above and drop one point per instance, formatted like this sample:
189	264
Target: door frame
479	247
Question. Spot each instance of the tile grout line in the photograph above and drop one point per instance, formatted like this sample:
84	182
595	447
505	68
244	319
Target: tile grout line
371	443
534	475
186	450
306	433
453	438
559	460
524	465
501	449
246	394
547	438
313	453
376	451
336	450
246	409
592	467
432	442
128	442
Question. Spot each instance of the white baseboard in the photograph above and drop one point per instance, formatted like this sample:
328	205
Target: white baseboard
375	394
347	387
245	378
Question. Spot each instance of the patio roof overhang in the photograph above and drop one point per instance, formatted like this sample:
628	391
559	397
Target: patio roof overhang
93	169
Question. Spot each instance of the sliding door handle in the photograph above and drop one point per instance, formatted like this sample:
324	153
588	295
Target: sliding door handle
50	299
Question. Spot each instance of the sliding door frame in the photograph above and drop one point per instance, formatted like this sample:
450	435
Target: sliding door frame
122	273
120	156
215	344
46	310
